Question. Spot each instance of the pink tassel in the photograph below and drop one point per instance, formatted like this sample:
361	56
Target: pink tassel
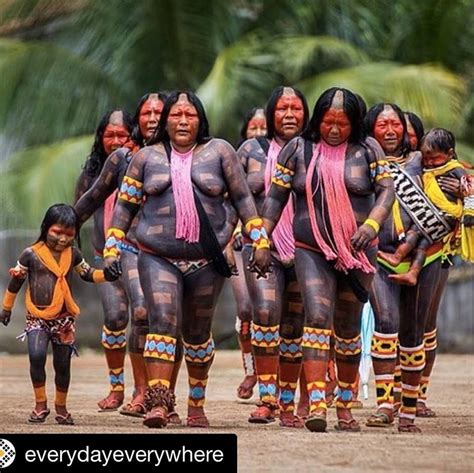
109	206
282	235
187	219
341	217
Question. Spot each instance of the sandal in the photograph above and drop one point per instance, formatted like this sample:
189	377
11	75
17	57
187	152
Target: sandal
291	421
357	404
409	428
110	403
174	419
156	418
316	422
379	419
64	419
197	421
422	410
350	425
134	408
264	414
38	417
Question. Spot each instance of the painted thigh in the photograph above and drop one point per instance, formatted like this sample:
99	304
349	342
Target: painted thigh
162	285
131	280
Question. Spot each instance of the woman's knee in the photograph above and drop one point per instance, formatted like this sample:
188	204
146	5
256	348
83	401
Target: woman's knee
116	320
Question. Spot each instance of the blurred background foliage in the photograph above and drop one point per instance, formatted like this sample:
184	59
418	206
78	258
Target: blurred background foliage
63	63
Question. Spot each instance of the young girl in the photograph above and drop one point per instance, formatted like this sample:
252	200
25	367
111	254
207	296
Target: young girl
51	309
455	211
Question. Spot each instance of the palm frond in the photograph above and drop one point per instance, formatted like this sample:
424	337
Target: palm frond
49	93
432	92
39	177
240	78
299	56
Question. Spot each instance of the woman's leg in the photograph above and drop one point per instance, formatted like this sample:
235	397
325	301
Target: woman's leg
201	291
414	310
385	301
242	325
266	297
318	287
162	285
348	344
114	339
430	343
291	354
137	334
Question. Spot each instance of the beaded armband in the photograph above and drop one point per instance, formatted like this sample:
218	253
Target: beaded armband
131	191
372	223
283	176
379	170
113	242
257	233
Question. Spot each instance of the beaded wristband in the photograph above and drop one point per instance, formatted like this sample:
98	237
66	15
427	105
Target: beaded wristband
372	223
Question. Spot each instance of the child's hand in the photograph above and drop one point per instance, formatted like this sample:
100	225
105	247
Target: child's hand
113	272
5	317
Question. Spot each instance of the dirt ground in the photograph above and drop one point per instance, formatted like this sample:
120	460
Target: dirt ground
446	443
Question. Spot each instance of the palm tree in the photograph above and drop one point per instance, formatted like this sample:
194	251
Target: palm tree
64	63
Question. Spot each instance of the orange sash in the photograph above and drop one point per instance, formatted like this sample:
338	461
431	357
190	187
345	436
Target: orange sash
62	293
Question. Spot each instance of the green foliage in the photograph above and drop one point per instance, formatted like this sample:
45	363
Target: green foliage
39	177
63	64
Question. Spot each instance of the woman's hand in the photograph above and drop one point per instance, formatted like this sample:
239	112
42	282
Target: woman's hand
260	262
362	237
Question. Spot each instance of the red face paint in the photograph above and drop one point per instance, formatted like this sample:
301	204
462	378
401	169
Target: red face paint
435	158
412	136
149	117
183	125
388	130
115	136
59	237
256	127
289	117
335	128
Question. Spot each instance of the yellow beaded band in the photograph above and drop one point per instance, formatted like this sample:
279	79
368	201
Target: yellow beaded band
113	241
372	223
257	233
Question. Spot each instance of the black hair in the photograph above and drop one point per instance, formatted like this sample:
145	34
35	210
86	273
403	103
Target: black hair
439	139
137	136
62	214
362	105
248	116
350	106
161	134
371	118
271	106
417	125
96	159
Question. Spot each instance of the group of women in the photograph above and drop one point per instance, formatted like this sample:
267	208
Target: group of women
294	218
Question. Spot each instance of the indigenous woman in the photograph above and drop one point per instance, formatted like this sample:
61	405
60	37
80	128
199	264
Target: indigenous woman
277	324
343	195
255	125
400	315
185	185
104	192
114	132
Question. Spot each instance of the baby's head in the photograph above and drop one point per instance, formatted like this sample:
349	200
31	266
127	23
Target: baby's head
437	147
60	227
